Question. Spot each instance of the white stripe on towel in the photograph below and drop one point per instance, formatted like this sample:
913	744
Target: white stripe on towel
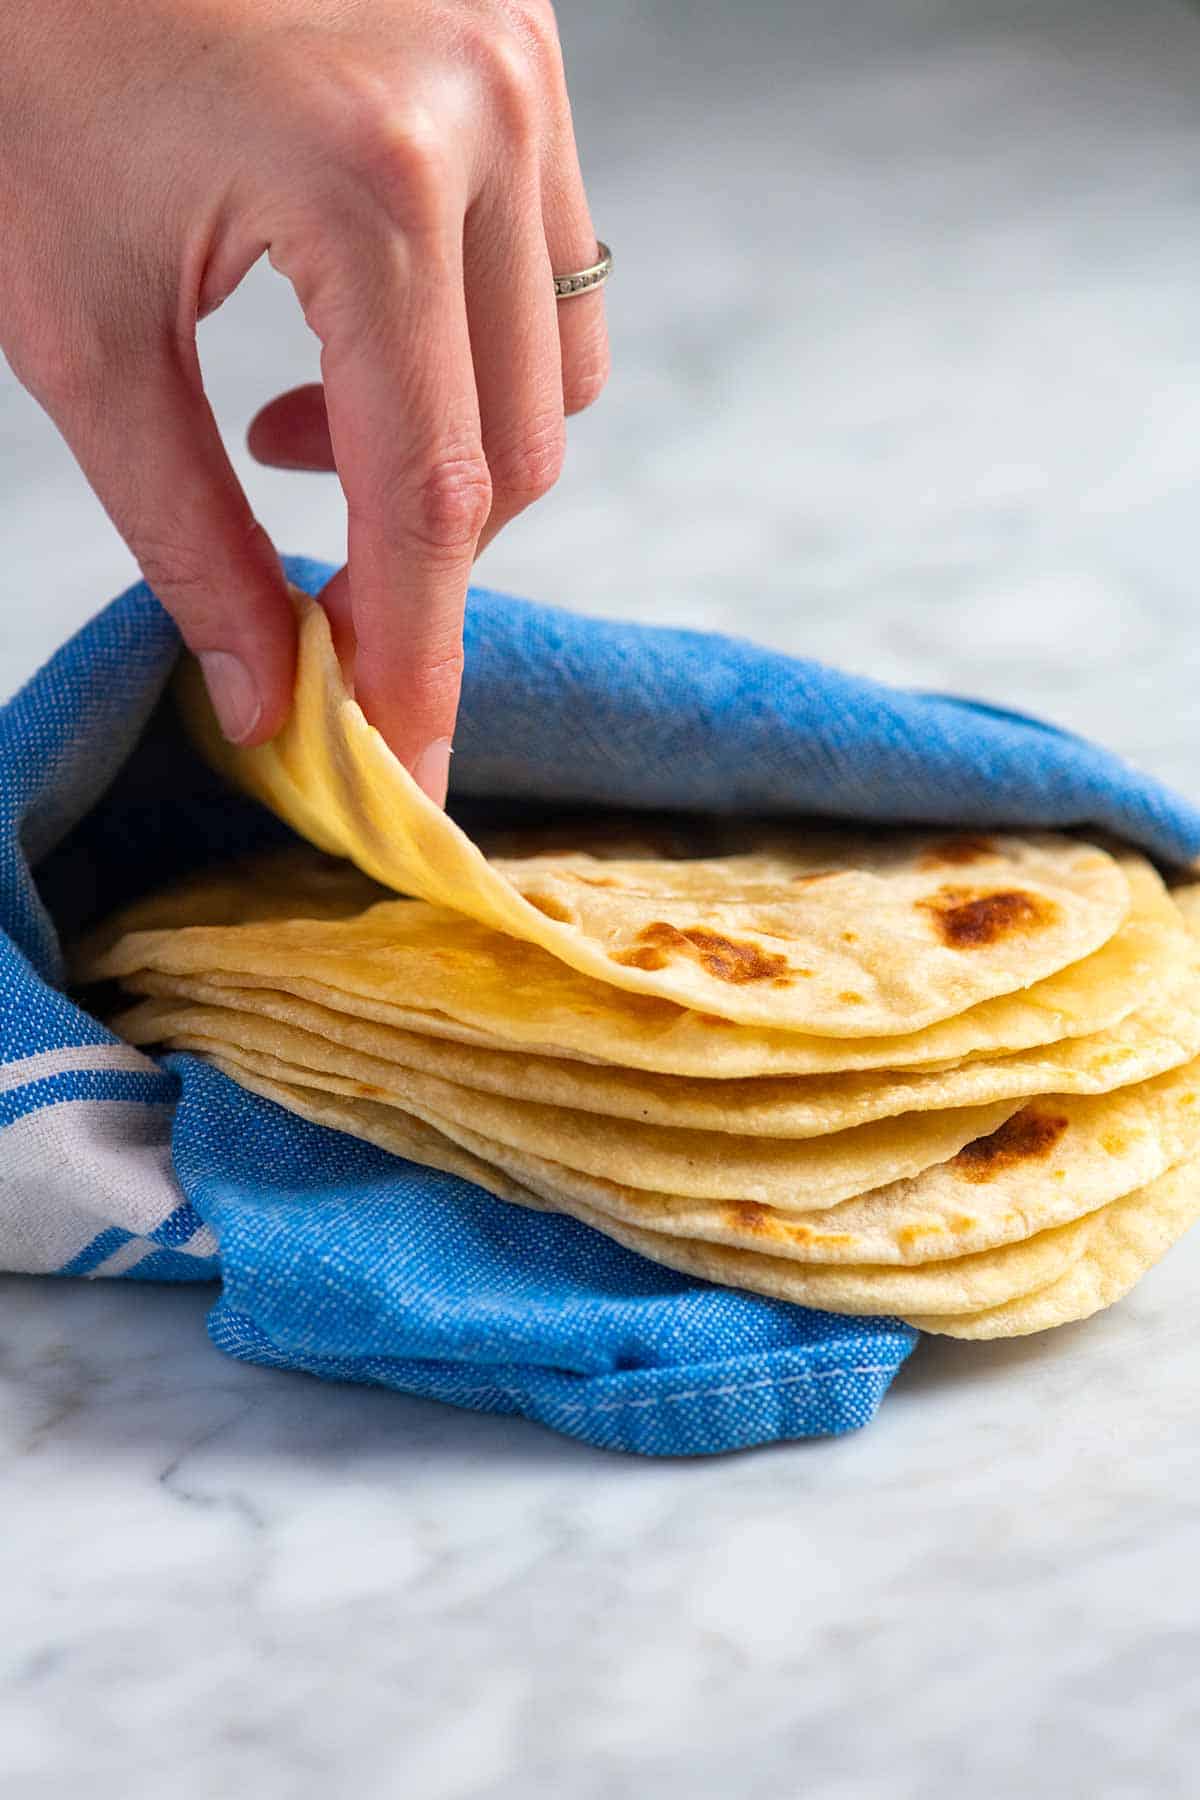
69	1172
115	1058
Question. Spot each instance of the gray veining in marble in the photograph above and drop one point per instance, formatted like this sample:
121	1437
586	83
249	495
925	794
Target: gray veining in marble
925	400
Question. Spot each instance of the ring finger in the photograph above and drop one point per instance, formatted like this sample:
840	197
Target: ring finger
514	343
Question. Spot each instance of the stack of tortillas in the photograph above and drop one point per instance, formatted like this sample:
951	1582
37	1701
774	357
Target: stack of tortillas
950	1077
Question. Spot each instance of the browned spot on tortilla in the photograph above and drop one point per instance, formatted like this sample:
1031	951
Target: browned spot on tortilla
963	1222
1027	1136
748	1215
806	1234
957	851
648	957
970	918
849	937
850	998
714	1019
909	1234
1115	1142
553	909
727	959
732	959
817	875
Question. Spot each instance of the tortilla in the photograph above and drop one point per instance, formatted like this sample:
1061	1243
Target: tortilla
1129	1238
825	930
999	1190
428	971
1159	1037
1052	1162
297	883
1088	1264
793	1174
948	1288
1027	1177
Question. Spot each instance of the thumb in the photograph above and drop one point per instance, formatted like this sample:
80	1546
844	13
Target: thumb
151	450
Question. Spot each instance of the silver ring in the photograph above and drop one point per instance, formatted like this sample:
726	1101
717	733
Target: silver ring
584	280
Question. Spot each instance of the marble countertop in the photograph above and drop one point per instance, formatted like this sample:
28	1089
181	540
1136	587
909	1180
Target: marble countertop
922	395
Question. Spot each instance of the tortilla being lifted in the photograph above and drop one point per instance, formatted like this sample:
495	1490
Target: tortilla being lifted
758	936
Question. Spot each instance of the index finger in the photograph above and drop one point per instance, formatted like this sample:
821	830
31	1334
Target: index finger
404	423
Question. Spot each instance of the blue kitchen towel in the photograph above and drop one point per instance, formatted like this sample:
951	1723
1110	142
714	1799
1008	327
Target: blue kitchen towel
332	1256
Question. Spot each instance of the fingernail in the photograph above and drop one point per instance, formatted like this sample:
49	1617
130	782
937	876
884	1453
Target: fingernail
431	770
233	692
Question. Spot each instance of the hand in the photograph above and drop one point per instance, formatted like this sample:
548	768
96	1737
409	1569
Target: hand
410	166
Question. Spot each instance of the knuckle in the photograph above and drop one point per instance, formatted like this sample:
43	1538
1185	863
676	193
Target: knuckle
48	377
512	82
65	374
408	160
430	673
586	376
391	146
178	570
535	24
441	669
452	503
510	67
197	579
530	466
403	161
